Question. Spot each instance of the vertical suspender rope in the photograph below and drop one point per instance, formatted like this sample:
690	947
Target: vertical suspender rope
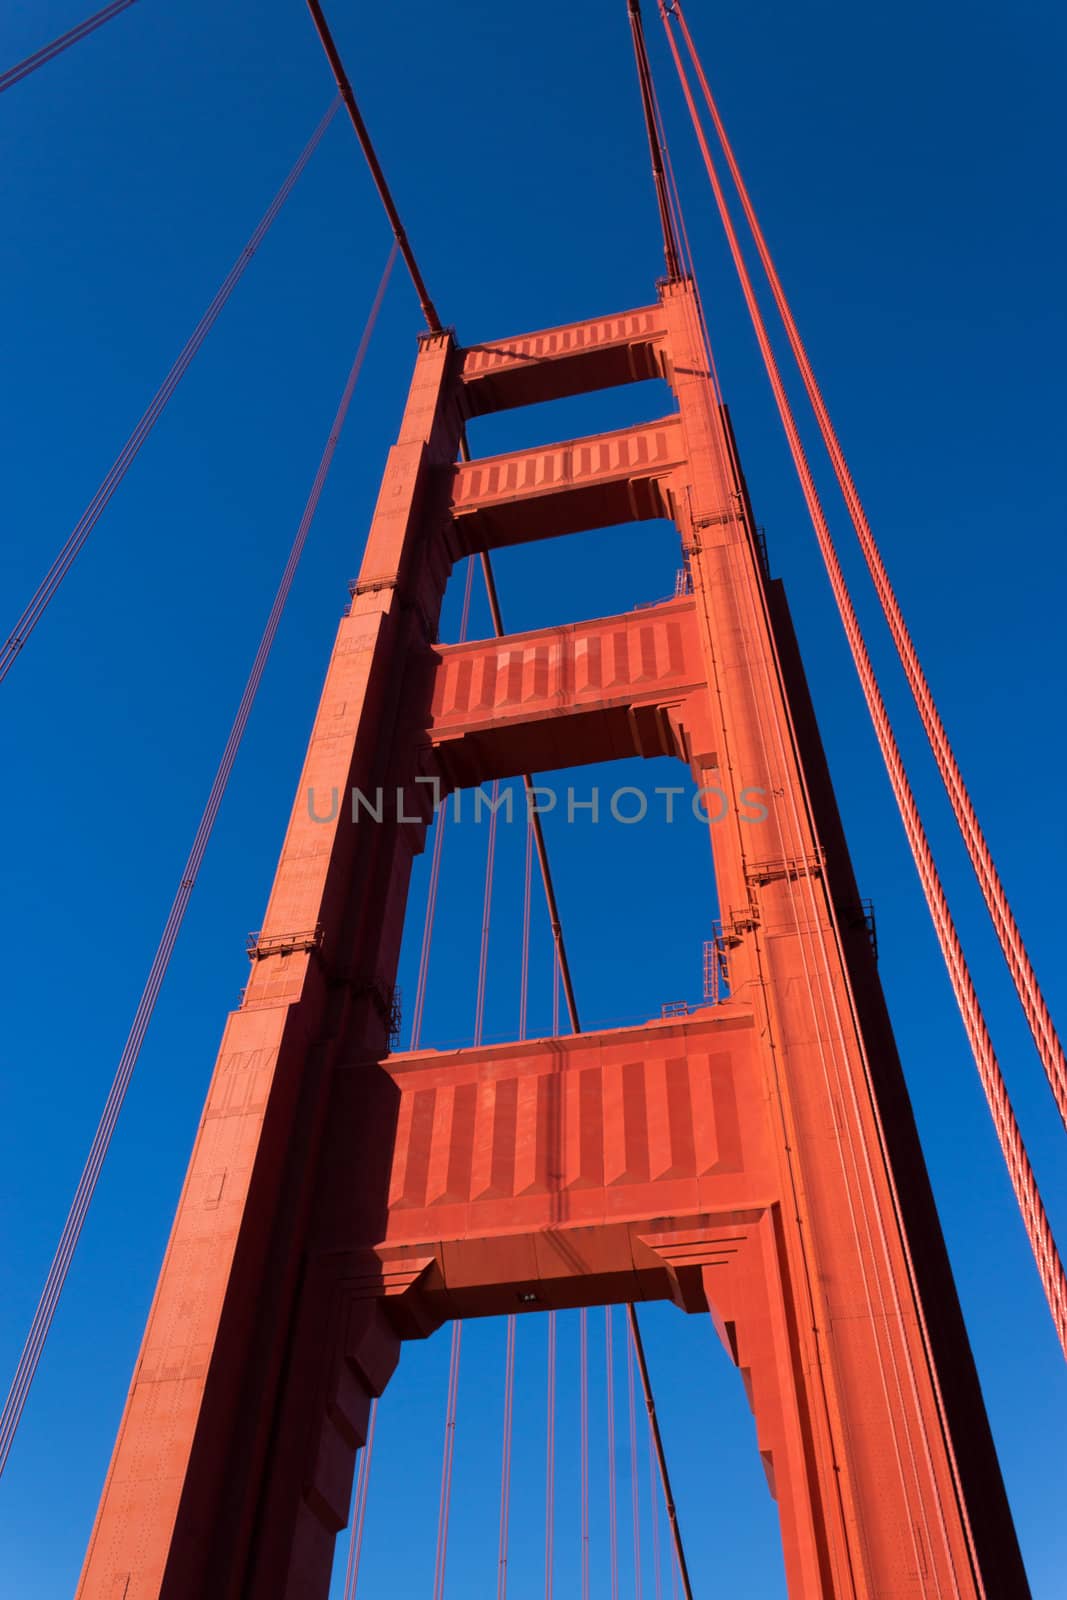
613	1508
583	1444
634	1479
359	1508
654	1502
72	1228
63	562
448	1450
661	1457
527	884
550	1458
48	52
447	1455
534	815
419	1007
487	906
505	1465
1009	936
1020	1171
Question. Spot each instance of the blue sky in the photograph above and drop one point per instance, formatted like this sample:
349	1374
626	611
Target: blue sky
906	167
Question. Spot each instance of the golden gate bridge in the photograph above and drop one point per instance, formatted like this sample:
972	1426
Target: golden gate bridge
752	1157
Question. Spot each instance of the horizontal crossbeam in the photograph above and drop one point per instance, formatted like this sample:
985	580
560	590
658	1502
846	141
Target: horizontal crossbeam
565	488
574	359
506	1156
564	697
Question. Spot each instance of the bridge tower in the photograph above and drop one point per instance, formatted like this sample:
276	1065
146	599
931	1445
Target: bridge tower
756	1159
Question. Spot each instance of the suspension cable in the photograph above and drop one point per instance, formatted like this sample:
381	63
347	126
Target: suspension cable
532	810
487	905
72	1228
1009	936
527	886
550	1458
48	52
613	1508
359	1509
505	1465
654	1503
1020	1171
661	1455
419	1007
433	321
583	1442
447	1455
635	1492
644	78
91	515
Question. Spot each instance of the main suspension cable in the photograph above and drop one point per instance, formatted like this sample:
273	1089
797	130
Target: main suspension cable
644	78
91	515
48	52
72	1228
433	321
1009	936
1020	1171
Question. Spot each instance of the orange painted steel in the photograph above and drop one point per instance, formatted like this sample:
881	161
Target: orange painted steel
1035	1008
756	1159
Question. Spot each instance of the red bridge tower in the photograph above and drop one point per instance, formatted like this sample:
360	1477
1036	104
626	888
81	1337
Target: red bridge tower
756	1159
